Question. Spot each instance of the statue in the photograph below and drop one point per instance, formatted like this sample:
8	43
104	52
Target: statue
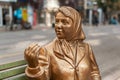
67	57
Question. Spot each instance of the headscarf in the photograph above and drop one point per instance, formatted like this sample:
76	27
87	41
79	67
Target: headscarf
63	48
77	21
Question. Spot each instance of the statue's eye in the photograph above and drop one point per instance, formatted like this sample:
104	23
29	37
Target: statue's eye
56	21
64	21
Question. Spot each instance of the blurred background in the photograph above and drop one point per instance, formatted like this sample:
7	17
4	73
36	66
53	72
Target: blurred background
33	12
25	21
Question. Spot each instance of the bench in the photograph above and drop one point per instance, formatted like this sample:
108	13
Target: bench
13	70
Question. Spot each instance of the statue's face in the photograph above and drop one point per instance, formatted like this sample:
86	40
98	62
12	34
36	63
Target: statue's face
63	26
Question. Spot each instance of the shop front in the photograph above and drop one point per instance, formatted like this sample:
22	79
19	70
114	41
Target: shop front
26	12
5	10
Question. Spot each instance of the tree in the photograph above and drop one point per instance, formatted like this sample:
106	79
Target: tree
112	4
108	7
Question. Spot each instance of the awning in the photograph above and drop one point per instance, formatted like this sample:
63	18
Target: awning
8	0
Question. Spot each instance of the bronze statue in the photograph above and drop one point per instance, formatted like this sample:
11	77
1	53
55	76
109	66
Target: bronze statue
67	57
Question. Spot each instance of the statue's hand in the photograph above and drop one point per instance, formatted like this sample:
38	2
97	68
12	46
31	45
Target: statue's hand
31	54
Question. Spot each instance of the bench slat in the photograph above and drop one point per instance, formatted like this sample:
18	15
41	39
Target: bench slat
21	78
17	77
13	64
13	72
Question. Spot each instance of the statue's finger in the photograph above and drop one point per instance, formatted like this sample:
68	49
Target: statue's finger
34	49
32	53
26	52
31	46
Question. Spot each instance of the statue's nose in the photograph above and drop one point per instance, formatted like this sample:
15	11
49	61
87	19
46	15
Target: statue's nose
59	25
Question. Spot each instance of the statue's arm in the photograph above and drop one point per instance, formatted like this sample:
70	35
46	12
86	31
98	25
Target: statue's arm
95	74
38	63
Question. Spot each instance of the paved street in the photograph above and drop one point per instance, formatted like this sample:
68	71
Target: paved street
105	41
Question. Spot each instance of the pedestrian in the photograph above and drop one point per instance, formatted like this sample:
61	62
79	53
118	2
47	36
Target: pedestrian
114	20
7	21
95	18
67	57
34	18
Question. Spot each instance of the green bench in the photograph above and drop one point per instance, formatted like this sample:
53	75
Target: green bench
13	71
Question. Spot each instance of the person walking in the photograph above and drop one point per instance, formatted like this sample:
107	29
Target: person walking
7	21
95	18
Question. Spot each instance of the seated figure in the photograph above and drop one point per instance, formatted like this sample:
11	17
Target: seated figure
67	57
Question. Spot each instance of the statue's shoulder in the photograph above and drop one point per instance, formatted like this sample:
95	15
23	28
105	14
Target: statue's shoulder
88	45
84	44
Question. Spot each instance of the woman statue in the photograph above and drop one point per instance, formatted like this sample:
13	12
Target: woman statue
67	57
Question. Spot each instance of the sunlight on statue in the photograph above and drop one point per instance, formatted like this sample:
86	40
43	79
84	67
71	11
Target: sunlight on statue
67	57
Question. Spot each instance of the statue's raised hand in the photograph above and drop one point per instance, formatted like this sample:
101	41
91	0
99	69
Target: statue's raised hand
31	54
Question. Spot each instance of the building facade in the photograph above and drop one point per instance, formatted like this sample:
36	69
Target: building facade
5	9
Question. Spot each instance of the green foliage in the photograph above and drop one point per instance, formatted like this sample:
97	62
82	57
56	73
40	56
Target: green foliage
102	5
114	0
109	3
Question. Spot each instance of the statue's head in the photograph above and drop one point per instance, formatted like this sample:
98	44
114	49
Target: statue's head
68	24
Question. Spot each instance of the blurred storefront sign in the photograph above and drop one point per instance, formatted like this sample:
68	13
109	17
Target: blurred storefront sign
30	14
24	14
8	0
90	4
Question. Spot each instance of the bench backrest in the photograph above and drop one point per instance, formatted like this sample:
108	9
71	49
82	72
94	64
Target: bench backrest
13	70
